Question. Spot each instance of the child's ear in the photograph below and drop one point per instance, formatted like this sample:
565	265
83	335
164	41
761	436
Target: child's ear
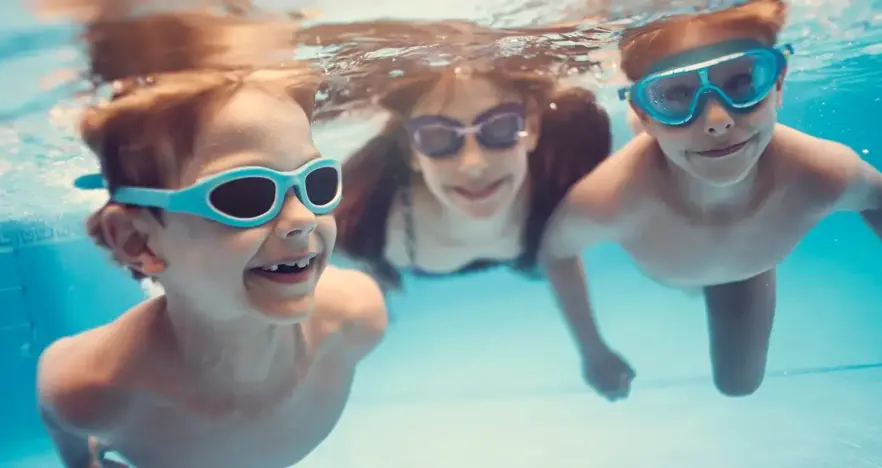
780	82
779	85
638	120
126	232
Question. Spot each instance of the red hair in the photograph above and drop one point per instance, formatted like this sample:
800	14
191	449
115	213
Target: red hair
144	135
640	47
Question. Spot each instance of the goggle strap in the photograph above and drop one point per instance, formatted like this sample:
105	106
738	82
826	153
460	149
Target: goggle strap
156	198
93	181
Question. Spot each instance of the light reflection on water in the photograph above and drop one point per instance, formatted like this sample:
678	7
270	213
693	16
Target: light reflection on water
837	44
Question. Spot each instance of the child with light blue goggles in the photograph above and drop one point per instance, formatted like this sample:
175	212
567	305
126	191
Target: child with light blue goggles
738	73
243	197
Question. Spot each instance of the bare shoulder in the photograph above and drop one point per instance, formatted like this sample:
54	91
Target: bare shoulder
826	169
599	205
350	312
606	192
84	381
78	383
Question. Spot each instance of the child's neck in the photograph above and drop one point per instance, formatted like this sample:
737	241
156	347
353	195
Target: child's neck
500	224
243	355
712	203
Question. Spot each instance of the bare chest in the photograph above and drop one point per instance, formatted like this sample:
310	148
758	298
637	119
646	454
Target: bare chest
677	251
172	436
437	251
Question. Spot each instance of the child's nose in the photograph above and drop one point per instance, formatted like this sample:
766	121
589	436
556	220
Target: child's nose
295	220
472	160
717	120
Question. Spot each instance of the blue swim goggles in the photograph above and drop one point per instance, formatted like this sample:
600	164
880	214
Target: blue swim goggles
738	73
243	197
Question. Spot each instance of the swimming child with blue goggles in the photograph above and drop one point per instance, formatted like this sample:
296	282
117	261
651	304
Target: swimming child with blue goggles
243	197
739	74
714	193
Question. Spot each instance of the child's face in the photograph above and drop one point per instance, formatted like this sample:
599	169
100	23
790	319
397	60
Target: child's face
218	266
478	174
719	147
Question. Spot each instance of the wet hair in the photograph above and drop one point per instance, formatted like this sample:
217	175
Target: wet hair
129	47
640	47
145	134
574	138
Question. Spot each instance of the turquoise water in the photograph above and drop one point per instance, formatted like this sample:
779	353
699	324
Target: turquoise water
479	371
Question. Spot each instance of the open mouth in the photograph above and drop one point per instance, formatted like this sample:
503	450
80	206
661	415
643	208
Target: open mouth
480	193
288	271
725	151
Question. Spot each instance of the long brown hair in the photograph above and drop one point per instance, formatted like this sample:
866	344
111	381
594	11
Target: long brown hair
574	138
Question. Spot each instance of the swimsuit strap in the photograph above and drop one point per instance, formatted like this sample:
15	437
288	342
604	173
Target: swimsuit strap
409	229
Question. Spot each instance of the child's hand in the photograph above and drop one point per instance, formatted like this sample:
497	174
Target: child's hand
107	464
608	373
98	459
113	464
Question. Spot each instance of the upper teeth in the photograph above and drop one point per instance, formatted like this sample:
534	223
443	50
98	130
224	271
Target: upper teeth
300	263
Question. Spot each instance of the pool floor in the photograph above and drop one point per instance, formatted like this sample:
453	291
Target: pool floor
831	420
480	372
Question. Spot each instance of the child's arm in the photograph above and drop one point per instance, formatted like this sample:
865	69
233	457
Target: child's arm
72	446
585	217
872	212
590	213
863	188
568	233
869	190
634	122
74	402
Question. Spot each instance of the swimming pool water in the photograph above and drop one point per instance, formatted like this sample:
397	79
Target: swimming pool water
479	371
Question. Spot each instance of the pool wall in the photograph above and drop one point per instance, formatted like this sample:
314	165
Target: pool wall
53	282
